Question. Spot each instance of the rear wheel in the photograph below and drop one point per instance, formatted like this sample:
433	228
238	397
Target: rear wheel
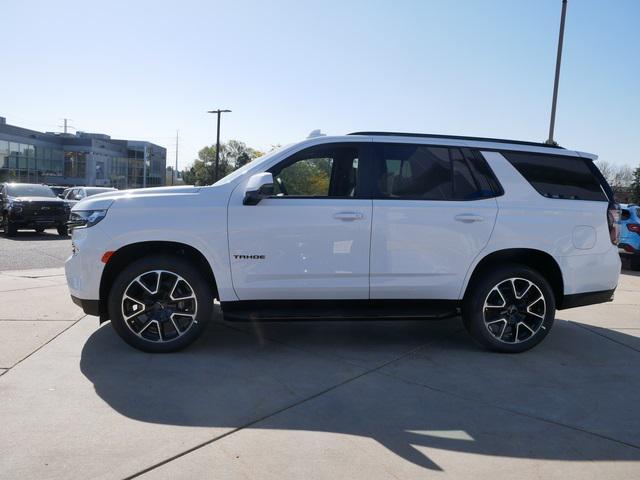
62	230
634	262
509	309
160	304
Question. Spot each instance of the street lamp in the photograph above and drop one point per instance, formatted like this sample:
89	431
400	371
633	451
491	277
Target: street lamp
552	122
215	177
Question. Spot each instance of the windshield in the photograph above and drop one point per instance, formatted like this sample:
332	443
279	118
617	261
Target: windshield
251	165
28	190
95	191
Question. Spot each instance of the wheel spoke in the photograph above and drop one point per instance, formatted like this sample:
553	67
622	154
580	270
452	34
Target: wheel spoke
495	289
527	327
541	298
136	312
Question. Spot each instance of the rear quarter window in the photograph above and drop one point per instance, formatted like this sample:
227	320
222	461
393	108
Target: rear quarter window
557	176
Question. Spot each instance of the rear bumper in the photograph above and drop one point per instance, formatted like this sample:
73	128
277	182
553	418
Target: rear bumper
628	250
90	307
587	298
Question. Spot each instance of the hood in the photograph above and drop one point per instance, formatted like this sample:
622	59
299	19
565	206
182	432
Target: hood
37	199
103	201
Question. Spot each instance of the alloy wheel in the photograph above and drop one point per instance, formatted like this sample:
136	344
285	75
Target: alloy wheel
159	306
514	310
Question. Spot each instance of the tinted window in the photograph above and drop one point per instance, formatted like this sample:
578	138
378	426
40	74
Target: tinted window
326	171
28	190
464	185
413	171
431	173
558	176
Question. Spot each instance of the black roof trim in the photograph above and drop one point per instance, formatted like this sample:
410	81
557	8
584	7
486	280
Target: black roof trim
458	137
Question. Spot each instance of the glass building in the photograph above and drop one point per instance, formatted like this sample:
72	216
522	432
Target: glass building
78	159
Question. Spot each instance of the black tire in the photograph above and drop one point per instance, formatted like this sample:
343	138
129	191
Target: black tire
9	229
163	334
634	263
63	231
39	229
527	320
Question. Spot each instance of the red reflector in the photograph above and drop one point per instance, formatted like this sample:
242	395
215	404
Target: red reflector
106	256
633	227
628	248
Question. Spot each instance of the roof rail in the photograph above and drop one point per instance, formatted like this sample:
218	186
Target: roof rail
457	137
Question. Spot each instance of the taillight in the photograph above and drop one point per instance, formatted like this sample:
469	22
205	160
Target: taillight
613	220
633	227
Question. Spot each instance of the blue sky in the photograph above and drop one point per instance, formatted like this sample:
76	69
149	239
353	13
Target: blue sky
142	69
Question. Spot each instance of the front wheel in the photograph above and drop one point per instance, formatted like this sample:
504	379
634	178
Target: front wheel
160	304
509	309
8	227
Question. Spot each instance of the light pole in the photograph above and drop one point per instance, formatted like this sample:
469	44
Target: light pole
215	176
552	122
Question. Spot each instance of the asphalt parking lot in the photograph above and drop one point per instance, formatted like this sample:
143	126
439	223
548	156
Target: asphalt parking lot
393	399
29	249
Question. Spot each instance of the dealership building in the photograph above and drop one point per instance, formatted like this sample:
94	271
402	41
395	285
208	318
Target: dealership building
82	158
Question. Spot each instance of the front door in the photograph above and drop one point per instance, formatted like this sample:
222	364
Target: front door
311	239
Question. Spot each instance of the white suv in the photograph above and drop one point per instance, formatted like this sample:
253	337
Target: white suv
367	225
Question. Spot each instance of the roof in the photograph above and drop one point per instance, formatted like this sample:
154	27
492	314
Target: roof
458	137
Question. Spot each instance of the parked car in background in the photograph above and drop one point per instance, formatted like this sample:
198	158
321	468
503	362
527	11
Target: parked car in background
75	194
58	190
630	234
31	206
367	225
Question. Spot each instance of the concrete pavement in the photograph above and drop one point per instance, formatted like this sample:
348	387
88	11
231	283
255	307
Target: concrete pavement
367	400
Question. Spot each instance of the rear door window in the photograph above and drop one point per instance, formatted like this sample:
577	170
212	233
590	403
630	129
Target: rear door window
424	172
557	176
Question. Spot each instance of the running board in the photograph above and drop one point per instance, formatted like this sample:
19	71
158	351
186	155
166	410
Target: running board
276	310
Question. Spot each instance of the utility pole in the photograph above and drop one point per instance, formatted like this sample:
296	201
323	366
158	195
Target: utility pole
66	126
550	140
175	172
217	167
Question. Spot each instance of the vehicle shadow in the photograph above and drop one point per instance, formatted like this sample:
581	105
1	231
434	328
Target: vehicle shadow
31	236
407	385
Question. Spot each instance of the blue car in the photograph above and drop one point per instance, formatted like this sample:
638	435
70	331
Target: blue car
630	233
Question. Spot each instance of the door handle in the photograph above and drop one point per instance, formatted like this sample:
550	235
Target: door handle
468	218
348	216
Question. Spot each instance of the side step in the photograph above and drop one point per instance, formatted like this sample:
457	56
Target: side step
276	310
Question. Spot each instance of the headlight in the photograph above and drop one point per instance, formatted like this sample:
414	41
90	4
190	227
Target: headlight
85	218
15	206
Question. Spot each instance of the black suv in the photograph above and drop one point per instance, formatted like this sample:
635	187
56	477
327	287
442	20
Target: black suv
30	205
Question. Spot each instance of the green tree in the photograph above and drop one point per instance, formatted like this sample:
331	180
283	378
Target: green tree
635	186
233	154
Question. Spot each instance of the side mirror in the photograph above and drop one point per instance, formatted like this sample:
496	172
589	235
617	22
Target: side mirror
78	197
258	187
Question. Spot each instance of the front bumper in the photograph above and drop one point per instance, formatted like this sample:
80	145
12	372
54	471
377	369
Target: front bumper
34	220
90	307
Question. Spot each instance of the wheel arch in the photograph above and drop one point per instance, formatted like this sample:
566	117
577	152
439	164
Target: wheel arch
128	253
538	260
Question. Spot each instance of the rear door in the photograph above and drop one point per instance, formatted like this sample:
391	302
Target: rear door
433	211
